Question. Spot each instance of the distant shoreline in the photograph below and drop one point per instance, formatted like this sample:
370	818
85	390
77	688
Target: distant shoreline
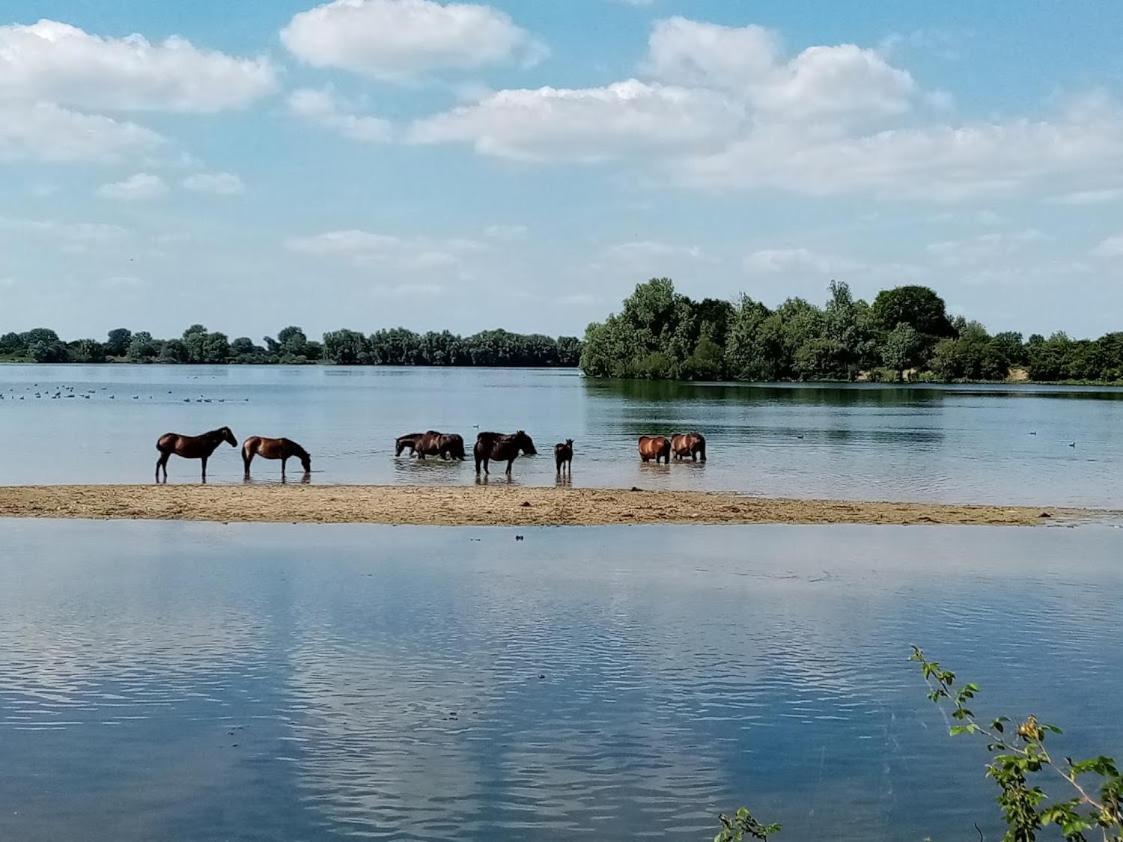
494	505
1009	383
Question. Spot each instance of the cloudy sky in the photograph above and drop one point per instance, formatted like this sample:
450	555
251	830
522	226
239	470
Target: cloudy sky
368	163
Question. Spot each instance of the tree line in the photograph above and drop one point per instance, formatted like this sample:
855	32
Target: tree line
394	346
905	334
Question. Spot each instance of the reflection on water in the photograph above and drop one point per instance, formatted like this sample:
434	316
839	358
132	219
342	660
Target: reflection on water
1032	445
163	680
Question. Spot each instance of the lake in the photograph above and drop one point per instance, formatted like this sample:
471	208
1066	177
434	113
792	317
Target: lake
923	443
165	680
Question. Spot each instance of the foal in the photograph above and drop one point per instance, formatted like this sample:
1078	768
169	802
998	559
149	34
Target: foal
563	456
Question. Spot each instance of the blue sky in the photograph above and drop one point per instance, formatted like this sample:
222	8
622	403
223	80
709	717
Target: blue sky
368	163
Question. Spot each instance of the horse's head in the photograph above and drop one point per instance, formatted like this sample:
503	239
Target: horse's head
228	436
526	445
569	443
306	462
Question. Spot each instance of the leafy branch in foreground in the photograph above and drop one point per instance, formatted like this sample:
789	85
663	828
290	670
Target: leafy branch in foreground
1019	756
1019	759
736	828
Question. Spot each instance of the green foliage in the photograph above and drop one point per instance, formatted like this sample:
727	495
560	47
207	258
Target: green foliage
1019	758
660	334
204	346
118	342
12	343
48	351
86	351
394	346
916	306
902	348
743	825
142	347
1019	762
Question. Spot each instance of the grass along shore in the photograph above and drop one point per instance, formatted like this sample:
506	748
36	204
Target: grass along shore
492	505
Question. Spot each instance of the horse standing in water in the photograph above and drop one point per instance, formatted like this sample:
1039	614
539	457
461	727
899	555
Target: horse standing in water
689	444
501	448
655	447
283	449
563	456
447	446
191	447
409	440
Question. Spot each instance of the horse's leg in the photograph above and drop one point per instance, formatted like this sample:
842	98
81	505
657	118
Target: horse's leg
204	469
510	462
162	462
247	457
284	463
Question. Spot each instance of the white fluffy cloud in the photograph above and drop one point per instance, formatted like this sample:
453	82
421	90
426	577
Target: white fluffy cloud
724	108
218	183
66	237
367	249
938	162
794	261
707	87
60	63
994	246
140	187
1110	247
589	124
748	62
322	107
47	132
399	39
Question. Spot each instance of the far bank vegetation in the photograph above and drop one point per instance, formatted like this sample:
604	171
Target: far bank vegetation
906	334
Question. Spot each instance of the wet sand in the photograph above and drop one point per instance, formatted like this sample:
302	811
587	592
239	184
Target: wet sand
491	505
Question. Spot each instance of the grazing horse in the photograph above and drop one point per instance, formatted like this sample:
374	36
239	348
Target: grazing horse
191	447
408	440
447	446
689	444
563	456
501	448
655	447
283	449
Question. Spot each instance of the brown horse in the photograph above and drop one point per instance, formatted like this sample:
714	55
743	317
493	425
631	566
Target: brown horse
501	448
655	447
447	446
408	440
283	449
191	447
563	456
689	444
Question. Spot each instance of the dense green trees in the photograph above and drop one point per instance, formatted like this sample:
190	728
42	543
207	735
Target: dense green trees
905	334
398	346
395	346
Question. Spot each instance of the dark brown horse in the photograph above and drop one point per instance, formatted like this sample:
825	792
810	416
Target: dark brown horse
689	444
655	447
447	446
283	449
191	447
501	448
563	456
408	440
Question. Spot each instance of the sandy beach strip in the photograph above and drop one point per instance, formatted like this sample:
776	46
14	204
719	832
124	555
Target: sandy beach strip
491	505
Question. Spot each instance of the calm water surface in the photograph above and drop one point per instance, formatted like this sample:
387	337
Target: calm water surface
959	444
188	681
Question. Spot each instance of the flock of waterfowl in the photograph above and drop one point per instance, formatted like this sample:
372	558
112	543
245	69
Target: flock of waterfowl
72	392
